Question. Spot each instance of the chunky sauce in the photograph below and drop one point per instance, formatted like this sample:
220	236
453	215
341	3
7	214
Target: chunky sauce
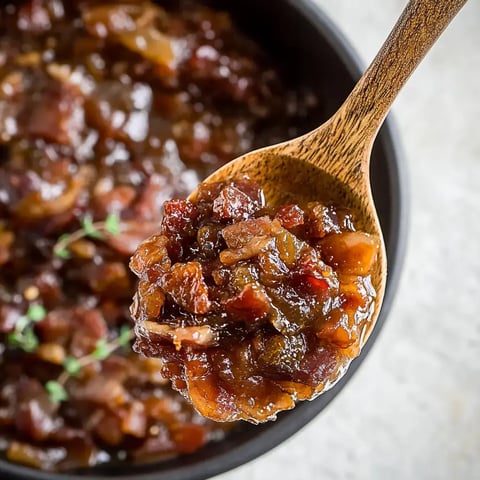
106	111
252	307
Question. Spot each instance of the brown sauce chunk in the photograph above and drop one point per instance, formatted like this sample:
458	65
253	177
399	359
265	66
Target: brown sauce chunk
274	300
107	109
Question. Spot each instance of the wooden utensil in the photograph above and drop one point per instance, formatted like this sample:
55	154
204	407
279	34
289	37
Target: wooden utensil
331	163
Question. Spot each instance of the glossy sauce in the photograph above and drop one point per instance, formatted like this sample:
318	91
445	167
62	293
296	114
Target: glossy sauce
251	306
106	111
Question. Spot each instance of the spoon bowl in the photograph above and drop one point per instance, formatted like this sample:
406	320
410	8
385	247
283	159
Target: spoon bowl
287	178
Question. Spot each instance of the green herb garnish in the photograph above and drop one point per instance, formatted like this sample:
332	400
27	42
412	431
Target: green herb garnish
25	339
36	313
23	335
91	229
112	224
56	391
124	337
103	348
72	366
95	230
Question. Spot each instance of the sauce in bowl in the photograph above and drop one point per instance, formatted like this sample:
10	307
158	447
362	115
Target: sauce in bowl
106	111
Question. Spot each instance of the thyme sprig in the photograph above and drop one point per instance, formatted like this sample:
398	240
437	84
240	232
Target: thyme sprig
72	366
89	229
23	336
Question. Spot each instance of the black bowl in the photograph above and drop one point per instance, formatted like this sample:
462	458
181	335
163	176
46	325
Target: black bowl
299	36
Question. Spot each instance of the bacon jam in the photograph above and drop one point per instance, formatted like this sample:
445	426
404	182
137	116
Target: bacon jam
252	307
107	109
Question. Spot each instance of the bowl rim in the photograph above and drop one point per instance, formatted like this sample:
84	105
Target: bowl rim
278	432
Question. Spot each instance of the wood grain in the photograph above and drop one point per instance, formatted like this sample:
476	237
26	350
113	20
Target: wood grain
331	163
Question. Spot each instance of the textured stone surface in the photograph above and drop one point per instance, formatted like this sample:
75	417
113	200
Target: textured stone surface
412	410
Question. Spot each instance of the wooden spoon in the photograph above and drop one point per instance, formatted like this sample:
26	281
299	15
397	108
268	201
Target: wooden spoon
332	162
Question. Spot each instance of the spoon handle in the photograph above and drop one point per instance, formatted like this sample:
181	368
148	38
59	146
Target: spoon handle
415	32
348	136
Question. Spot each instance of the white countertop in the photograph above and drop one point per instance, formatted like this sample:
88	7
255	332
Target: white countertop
412	410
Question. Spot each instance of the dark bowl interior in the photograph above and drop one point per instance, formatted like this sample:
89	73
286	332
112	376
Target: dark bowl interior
312	51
